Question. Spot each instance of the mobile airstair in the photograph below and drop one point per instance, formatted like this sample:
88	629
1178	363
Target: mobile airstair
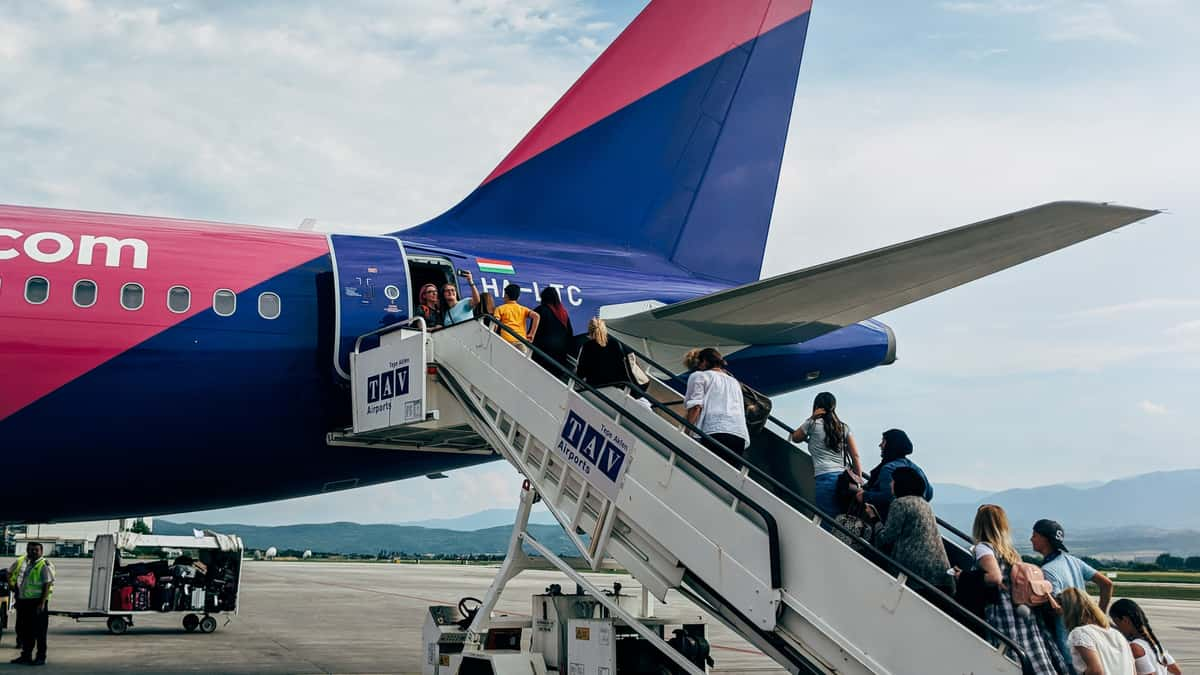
626	482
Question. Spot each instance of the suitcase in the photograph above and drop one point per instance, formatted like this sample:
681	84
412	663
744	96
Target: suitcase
141	599
164	596
122	599
145	580
198	599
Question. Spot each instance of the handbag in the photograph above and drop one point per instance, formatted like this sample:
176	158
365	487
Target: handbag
758	409
635	371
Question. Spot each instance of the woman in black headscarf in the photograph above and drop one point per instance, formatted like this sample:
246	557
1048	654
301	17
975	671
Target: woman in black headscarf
894	450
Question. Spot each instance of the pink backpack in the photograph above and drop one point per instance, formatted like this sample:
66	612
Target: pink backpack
1029	585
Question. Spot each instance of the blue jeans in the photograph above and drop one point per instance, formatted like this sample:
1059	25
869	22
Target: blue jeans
826	488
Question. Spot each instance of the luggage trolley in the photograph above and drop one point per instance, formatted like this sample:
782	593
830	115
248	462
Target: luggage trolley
200	592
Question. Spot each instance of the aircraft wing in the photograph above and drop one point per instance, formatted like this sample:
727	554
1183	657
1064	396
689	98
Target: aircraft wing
801	305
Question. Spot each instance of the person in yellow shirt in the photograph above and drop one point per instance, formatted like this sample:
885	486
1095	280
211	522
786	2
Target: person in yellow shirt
514	316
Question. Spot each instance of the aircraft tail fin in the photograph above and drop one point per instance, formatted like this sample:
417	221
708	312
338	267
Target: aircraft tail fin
670	144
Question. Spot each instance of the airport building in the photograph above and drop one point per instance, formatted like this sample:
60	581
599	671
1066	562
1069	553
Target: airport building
74	539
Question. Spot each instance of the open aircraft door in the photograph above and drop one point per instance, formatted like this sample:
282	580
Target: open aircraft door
372	286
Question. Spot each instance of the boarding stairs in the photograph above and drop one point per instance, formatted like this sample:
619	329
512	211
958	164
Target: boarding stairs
626	482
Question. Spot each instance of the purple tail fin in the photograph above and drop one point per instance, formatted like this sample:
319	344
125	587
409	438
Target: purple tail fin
670	144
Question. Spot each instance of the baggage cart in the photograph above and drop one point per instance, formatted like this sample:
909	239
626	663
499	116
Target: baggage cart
200	599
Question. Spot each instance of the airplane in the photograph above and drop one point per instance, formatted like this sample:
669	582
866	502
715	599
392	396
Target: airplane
158	365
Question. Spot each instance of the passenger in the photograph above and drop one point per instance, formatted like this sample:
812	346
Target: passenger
1149	656
912	532
832	448
602	362
514	316
555	335
1096	647
455	310
894	449
485	307
714	402
994	556
860	520
429	307
1064	571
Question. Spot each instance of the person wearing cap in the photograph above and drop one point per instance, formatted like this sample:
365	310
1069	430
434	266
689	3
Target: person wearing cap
1064	570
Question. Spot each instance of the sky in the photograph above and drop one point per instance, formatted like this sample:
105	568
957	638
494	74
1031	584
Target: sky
910	118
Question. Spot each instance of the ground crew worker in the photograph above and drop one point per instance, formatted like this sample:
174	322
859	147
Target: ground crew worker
33	578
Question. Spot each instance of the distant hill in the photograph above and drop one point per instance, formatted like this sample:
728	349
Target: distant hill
483	520
1162	501
355	538
953	493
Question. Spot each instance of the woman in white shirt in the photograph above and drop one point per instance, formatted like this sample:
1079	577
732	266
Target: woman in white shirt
1149	656
714	402
1096	647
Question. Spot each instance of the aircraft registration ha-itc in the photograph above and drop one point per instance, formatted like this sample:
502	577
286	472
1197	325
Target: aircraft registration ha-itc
204	363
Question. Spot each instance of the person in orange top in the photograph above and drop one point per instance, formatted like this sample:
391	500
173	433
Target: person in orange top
514	315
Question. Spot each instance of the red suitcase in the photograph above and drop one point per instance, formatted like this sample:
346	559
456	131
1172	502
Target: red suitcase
122	599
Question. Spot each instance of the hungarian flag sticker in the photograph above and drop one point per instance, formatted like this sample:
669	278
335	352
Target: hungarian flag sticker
494	266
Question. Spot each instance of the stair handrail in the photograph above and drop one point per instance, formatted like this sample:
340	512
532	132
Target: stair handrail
391	328
743	498
881	559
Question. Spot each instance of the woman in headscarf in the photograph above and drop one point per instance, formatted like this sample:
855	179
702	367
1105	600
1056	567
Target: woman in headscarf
894	450
555	336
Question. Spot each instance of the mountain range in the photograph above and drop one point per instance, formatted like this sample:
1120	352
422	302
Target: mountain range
356	538
1165	500
1131	517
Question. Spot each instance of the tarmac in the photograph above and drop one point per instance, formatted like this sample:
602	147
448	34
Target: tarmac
314	617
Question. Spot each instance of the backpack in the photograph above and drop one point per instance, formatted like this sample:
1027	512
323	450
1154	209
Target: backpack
1028	585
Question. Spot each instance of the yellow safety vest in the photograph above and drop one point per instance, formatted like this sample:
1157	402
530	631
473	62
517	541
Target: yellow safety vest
34	584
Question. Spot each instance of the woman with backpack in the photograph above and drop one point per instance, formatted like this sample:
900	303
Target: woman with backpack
1096	647
833	451
1149	656
995	556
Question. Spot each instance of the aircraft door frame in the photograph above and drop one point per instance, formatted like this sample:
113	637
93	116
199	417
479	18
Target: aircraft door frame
354	249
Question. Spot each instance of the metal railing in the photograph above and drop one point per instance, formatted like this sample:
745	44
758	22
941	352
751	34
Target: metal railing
867	549
768	518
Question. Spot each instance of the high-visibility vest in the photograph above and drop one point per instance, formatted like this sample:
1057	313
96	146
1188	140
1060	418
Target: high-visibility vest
32	588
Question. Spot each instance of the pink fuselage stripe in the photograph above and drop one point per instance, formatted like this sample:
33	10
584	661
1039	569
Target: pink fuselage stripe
43	347
669	39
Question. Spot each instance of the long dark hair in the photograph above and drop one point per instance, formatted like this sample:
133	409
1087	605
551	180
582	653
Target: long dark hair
551	300
1126	608
835	430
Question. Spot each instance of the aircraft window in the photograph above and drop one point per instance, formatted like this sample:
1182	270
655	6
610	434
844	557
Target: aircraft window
37	289
132	296
179	299
268	306
224	302
84	293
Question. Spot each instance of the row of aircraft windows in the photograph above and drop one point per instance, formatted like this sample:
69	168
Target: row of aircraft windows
179	298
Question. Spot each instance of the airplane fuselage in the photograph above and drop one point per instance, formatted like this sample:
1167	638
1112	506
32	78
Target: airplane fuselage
155	365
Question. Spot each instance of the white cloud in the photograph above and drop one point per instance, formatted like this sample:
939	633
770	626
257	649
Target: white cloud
995	7
1185	328
1151	408
1089	21
1138	306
